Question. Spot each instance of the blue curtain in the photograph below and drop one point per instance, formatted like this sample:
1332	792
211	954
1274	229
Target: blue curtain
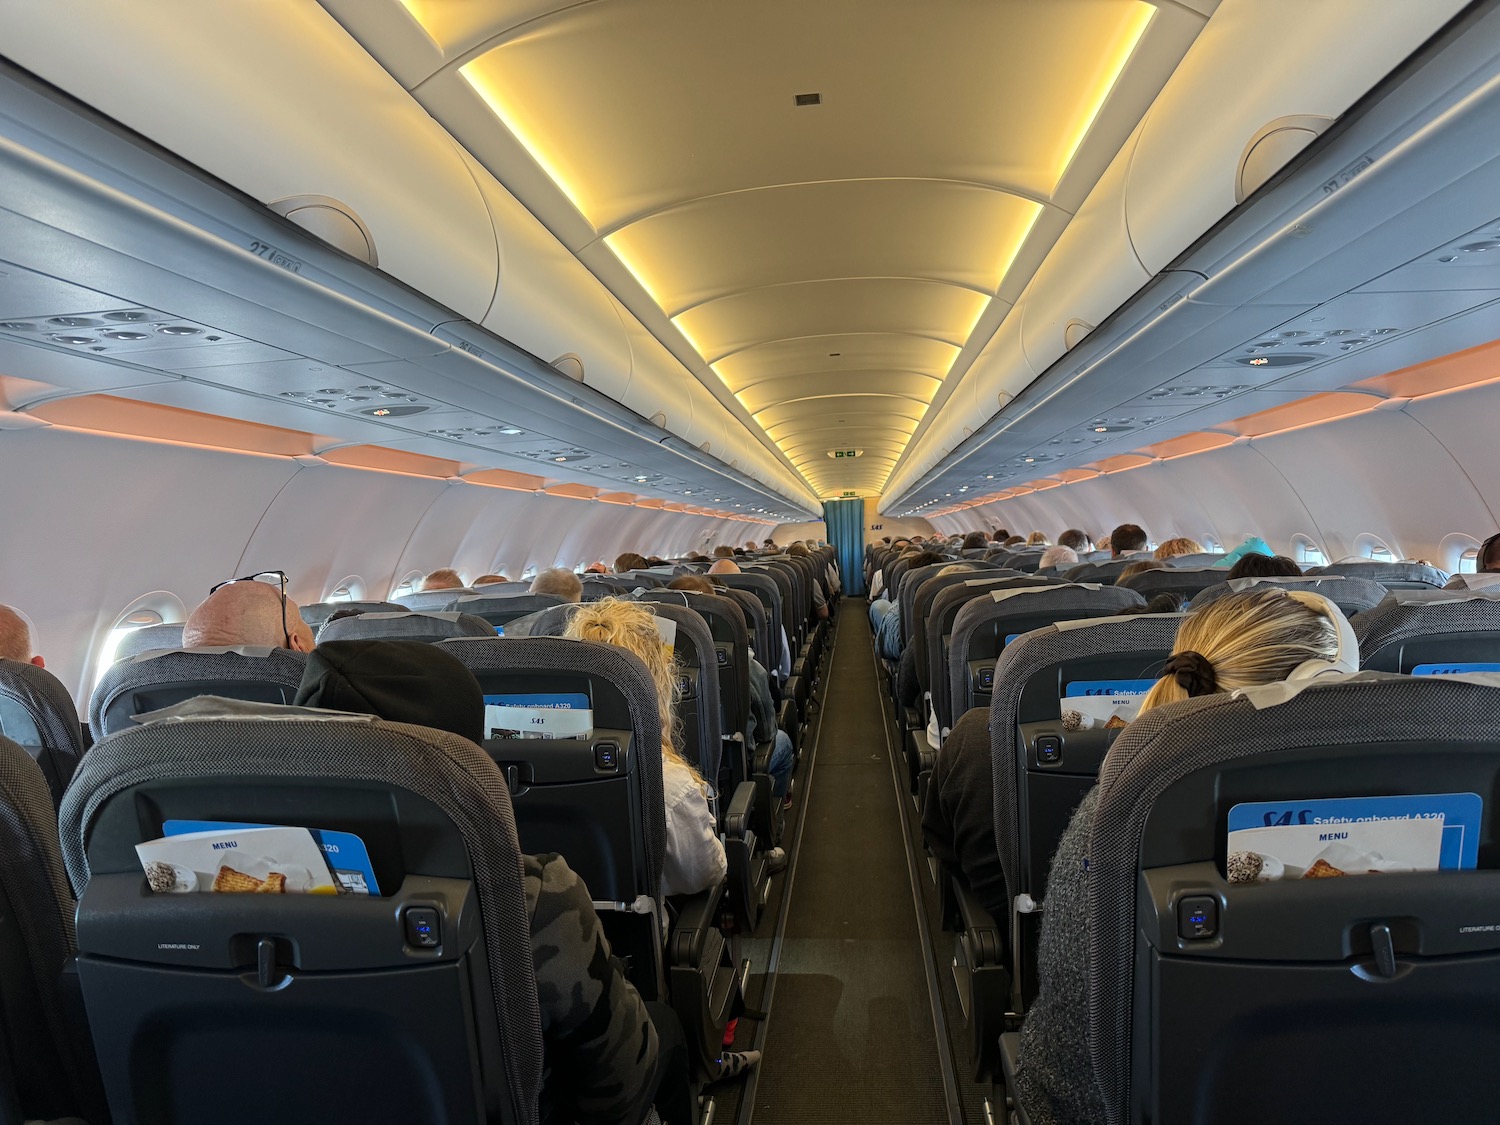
846	533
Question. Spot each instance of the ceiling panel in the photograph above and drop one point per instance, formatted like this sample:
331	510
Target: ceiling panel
828	260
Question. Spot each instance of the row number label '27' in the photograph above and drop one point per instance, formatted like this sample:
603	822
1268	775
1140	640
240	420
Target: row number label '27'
274	256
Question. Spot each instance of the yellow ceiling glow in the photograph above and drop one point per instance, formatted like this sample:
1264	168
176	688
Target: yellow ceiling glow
1110	69
472	73
614	242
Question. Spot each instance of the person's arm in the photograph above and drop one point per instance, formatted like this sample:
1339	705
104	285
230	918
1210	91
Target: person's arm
601	1048
695	858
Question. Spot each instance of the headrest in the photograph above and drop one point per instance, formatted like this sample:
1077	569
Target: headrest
401	681
1346	661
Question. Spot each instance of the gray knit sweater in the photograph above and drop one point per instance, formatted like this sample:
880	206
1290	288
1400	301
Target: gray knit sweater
1054	1078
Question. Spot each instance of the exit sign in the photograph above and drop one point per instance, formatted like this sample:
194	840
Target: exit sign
848	494
843	453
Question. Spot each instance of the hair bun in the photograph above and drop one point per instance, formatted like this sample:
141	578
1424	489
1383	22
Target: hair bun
1193	672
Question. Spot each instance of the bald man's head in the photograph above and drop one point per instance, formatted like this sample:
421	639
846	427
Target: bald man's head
16	641
247	613
724	566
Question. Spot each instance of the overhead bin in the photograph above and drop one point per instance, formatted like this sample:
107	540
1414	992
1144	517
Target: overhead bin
1224	114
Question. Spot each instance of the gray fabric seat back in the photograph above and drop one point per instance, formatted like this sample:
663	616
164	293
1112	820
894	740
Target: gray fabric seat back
549	622
764	589
149	638
985	625
433	599
731	649
1185	582
324	985
915	582
430	625
1042	769
501	589
1351	595
1207	558
931	650
597	587
1402	971
1391	575
597	800
48	1072
37	713
155	680
317	613
1101	573
757	627
1423	631
499	610
698	699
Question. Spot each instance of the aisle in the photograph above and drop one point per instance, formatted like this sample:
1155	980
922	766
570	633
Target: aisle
850	1037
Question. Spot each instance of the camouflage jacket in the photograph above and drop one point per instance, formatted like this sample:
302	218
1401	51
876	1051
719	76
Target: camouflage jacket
600	1048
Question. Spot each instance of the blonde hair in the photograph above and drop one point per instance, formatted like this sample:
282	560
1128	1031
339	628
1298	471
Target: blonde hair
1036	539
444	578
631	626
1258	636
1179	546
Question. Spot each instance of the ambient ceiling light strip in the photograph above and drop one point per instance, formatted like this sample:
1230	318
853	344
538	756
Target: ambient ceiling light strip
1109	73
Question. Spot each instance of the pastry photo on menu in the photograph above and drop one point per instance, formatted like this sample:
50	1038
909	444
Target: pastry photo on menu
237	861
1331	837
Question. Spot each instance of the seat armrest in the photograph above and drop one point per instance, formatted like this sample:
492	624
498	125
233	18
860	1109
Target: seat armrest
986	936
737	818
697	917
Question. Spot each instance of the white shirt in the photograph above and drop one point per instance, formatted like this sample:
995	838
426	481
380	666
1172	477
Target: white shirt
695	855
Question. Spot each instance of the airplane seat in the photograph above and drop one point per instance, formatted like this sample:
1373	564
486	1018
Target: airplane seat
1363	998
1391	575
153	681
595	795
742	796
1185	582
149	638
37	713
1041	768
1429	632
434	599
1351	595
1102	573
983	626
317	614
597	587
431	626
46	1065
765	590
410	1004
501	609
1207	558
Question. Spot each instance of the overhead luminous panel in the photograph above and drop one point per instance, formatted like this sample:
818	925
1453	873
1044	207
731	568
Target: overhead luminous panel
925	309
828	388
792	415
684	100
724	244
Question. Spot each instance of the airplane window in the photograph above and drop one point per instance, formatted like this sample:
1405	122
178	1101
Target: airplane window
408	584
351	589
1309	553
1211	544
1468	562
1368	546
154	609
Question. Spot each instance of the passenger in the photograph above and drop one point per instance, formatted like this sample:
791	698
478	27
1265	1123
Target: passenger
958	818
1102	544
770	545
1487	561
444	578
560	582
600	1048
1078	540
1254	565
1258	636
1172	548
1139	567
1014	541
1253	545
693	584
1036	539
1127	540
655	560
489	579
1159	603
695	856
975	541
723	551
245	612
629	560
596	568
1058	558
1001	535
724	566
887	622
16	641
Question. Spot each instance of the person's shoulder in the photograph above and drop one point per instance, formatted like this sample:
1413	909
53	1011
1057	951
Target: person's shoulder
677	781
